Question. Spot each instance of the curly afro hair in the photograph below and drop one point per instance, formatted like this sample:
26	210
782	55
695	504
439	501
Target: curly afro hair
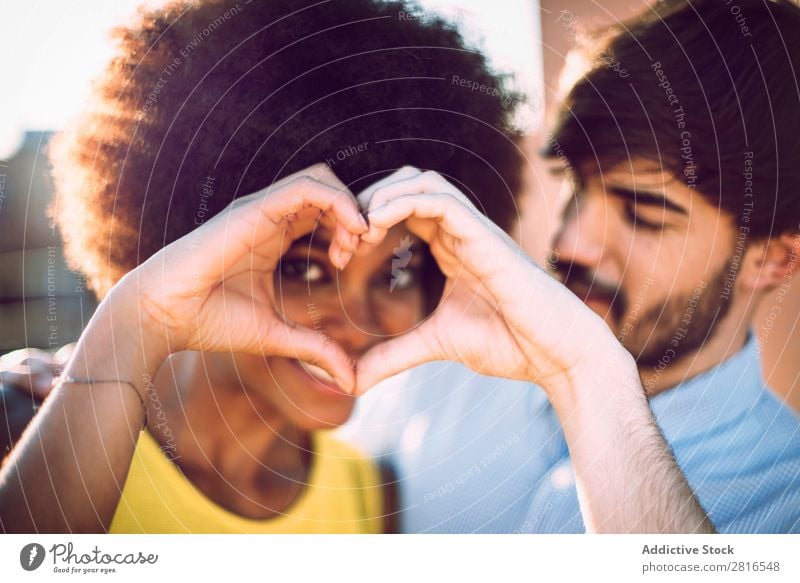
208	101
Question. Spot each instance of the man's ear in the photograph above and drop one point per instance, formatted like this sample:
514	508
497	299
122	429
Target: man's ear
770	262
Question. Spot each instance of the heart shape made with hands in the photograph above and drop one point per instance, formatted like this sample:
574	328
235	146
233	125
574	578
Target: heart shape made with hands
490	315
230	286
340	255
467	325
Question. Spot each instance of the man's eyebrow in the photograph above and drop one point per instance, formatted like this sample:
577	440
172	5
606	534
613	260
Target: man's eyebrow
647	198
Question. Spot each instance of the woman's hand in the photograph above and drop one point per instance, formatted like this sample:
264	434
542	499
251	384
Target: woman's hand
212	290
500	313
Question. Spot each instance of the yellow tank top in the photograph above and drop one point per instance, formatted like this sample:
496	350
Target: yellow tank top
342	496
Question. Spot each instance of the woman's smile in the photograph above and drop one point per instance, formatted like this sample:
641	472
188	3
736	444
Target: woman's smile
318	378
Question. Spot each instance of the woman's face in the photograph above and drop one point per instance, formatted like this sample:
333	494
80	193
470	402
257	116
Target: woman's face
378	296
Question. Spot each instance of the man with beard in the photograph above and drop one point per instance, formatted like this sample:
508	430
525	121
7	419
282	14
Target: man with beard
685	213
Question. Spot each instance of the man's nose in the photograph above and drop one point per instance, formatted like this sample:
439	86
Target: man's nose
583	237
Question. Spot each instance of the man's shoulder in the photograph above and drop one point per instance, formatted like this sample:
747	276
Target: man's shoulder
761	436
770	427
443	397
746	472
737	443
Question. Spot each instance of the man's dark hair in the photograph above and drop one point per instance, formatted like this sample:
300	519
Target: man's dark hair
708	90
207	101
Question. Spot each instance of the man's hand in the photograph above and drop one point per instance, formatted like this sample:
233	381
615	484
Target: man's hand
500	313
32	371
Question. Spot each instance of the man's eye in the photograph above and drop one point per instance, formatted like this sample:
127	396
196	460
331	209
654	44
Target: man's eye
637	221
303	270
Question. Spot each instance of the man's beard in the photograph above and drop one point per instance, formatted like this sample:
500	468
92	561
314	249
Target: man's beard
663	334
681	326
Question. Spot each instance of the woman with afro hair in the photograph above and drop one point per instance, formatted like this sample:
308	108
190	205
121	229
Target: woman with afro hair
207	193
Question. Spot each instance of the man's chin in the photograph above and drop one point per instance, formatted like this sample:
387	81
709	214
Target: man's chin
604	308
600	307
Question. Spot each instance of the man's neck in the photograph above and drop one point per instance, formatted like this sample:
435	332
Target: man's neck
728	339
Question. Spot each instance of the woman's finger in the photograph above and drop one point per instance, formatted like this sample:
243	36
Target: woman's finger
303	193
345	245
212	250
311	346
319	172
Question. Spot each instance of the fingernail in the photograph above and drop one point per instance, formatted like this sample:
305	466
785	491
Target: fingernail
346	387
370	236
344	258
352	243
362	222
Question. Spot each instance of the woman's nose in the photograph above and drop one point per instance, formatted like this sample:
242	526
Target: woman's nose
354	325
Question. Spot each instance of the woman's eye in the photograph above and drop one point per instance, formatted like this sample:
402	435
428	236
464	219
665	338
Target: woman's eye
402	279
303	270
637	221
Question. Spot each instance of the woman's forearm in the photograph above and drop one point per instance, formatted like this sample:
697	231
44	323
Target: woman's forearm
68	469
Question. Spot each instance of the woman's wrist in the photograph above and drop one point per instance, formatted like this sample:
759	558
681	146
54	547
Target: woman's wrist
118	344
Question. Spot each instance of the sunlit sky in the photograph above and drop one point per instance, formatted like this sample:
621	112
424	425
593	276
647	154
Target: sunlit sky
51	49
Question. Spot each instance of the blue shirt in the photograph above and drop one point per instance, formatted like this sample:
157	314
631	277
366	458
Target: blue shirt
483	454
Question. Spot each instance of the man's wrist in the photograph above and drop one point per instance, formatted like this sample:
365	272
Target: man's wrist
610	374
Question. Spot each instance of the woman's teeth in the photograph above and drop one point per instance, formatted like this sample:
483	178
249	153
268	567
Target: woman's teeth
317	372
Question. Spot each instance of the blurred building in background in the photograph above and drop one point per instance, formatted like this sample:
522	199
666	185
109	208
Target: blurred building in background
42	303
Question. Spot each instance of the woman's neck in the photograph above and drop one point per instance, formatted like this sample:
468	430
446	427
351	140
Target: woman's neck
228	440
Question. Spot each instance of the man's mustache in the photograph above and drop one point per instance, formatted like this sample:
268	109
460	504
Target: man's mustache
582	281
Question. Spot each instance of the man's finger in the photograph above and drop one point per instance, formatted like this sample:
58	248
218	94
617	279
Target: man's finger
456	219
37	383
23	355
393	357
365	196
428	182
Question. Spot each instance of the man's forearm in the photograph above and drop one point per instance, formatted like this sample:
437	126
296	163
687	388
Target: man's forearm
627	477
